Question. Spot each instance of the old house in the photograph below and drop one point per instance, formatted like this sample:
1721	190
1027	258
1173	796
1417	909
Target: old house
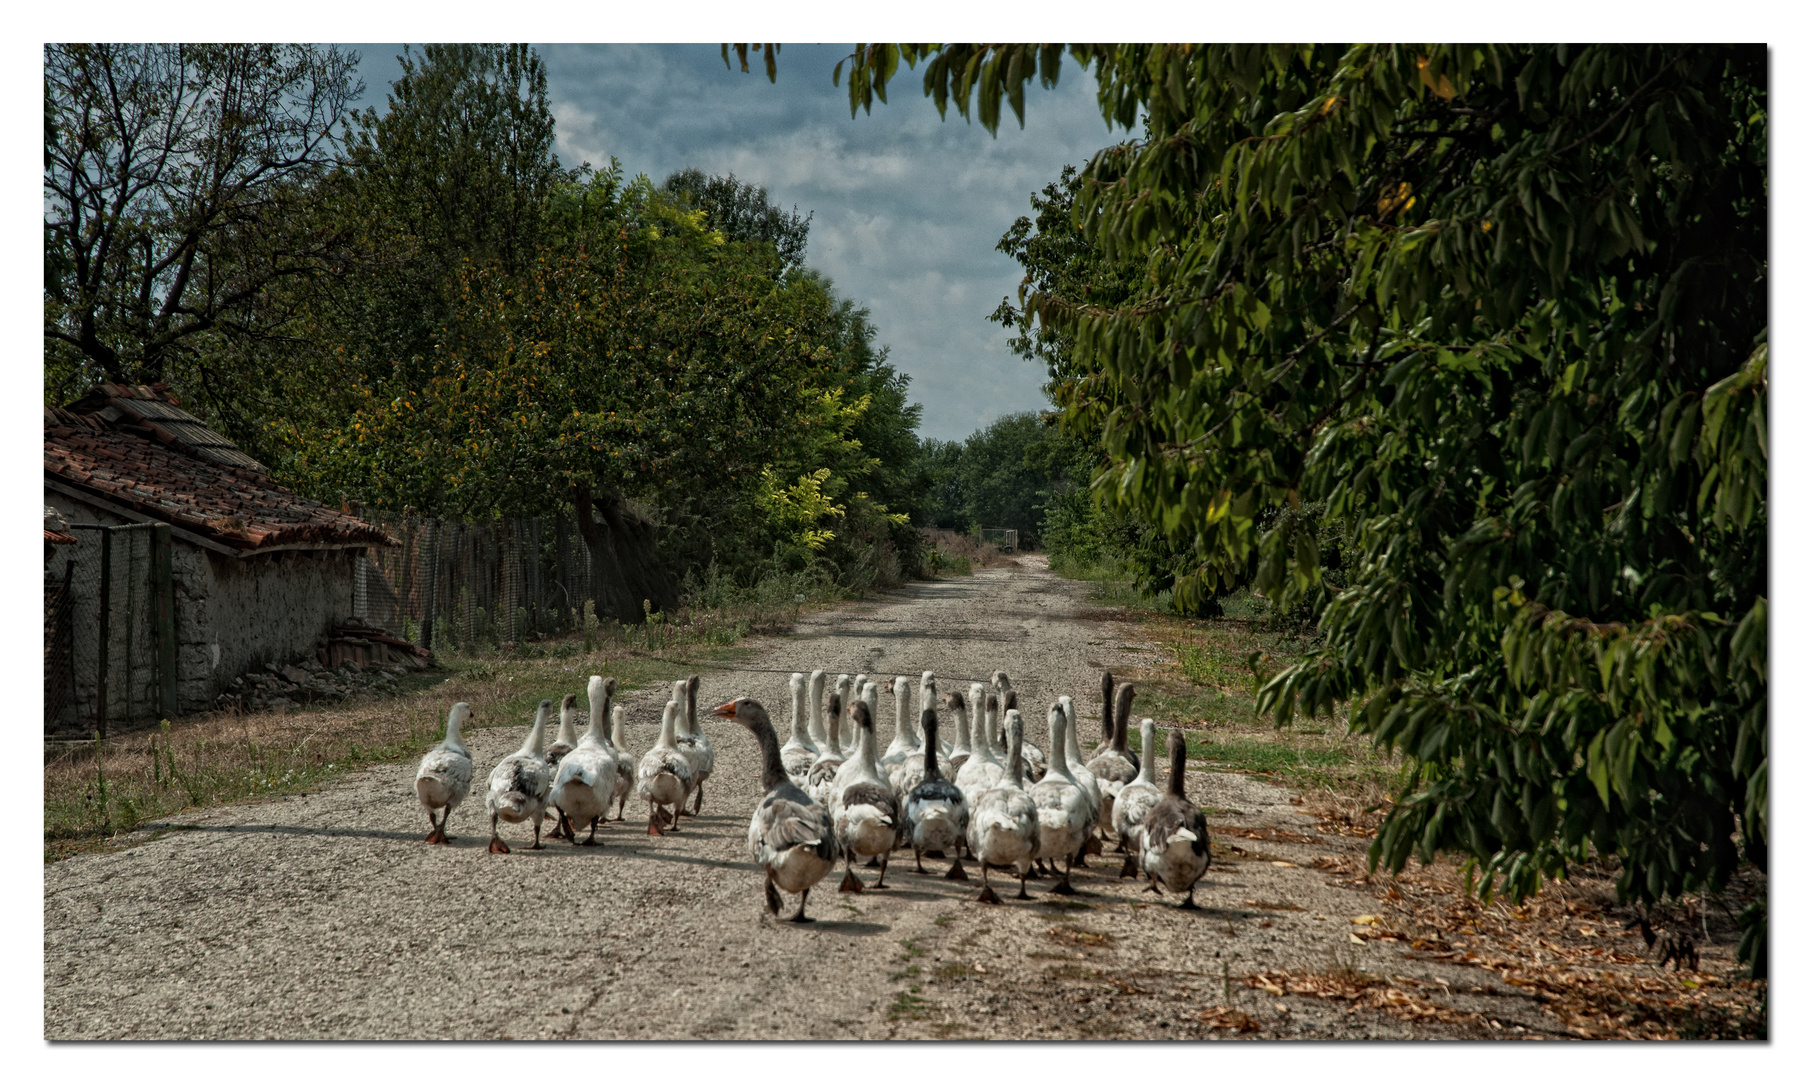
199	566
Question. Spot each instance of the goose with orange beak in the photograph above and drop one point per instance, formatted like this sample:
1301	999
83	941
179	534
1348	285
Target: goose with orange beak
791	835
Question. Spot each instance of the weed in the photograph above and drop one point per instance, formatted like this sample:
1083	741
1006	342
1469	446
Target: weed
953	970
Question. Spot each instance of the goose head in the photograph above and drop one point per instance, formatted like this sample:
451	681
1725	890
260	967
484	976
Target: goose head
667	733
867	743
535	741
679	695
817	694
1056	727
619	739
1108	704
835	707
961	725
454	724
692	693
566	721
601	693
751	715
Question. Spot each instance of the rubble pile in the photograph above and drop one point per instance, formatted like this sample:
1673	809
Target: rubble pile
285	686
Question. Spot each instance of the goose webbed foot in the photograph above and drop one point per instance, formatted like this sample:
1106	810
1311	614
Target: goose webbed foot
850	882
771	899
1189	903
653	827
988	896
1022	895
919	869
873	864
537	828
1128	869
1092	846
884	870
803	906
957	873
1063	888
496	846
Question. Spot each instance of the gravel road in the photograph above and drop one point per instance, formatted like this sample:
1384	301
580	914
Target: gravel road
326	917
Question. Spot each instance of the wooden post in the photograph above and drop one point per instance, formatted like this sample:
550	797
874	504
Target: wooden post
162	582
106	600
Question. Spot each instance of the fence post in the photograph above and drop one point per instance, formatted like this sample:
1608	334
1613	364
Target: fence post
162	579
106	600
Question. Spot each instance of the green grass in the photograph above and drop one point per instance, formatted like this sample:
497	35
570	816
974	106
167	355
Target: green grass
219	758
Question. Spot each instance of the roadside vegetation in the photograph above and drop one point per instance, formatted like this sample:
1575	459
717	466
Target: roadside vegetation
91	802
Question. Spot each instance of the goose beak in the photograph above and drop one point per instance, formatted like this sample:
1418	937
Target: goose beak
730	710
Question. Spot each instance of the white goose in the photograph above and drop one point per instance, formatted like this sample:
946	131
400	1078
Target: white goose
1174	838
520	786
585	779
1136	800
1085	779
863	806
826	767
1066	815
1111	766
981	771
934	813
790	836
799	752
961	732
691	740
930	689
664	776
903	743
444	777
817	709
1109	721
1005	825
601	693
1032	757
554	755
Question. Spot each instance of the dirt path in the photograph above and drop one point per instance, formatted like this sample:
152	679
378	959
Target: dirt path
324	916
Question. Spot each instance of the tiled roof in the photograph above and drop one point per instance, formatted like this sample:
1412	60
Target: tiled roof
58	538
153	411
183	484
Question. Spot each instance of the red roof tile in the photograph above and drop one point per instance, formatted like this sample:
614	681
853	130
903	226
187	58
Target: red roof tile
238	507
58	538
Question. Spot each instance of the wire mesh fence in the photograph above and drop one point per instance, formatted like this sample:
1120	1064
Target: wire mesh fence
451	585
59	646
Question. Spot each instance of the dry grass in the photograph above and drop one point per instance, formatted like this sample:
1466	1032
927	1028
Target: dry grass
221	757
958	554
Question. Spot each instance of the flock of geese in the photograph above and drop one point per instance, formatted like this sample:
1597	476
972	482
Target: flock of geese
991	795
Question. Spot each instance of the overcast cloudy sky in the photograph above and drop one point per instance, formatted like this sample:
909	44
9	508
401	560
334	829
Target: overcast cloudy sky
907	208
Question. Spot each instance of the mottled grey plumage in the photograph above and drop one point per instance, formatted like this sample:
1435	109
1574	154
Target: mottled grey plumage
1174	838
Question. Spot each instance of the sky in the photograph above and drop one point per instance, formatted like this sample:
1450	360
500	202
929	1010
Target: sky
907	207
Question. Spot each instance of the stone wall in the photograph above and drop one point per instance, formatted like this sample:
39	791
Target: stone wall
232	615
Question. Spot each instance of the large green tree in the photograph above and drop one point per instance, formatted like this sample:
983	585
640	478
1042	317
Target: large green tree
1502	308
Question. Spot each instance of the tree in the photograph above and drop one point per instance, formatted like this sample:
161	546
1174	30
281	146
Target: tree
171	173
743	212
1503	309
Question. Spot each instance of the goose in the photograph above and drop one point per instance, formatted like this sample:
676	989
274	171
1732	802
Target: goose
826	767
1081	773
934	812
961	733
520	785
1111	715
1032	757
444	777
863	806
1135	800
691	740
665	776
1174	838
625	769
904	742
1111	765
1005	823
584	784
1066	814
981	770
799	752
930	689
817	704
601	692
554	754
790	836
